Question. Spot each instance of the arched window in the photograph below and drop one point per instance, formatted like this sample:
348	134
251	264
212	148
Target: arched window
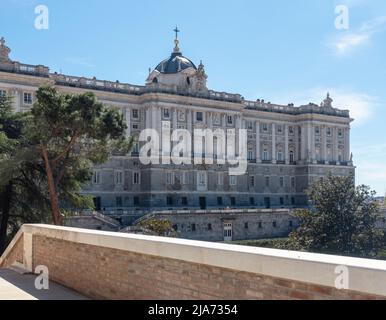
155	80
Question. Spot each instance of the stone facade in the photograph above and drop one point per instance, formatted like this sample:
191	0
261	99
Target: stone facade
288	147
231	225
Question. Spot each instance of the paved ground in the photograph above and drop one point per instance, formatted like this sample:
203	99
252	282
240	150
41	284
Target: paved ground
16	286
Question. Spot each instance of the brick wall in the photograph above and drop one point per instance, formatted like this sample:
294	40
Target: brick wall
106	273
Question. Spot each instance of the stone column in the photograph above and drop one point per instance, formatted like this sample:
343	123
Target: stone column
238	126
336	145
189	120
154	119
324	144
347	145
148	115
274	143
310	151
210	120
286	146
16	100
297	153
258	152
303	144
128	121
175	121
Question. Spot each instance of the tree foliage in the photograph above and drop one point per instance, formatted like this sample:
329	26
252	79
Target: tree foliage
341	221
161	227
46	156
71	133
22	196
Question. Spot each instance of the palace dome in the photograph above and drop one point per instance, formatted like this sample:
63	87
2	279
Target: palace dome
175	64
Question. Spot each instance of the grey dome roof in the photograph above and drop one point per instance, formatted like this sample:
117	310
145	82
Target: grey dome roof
175	64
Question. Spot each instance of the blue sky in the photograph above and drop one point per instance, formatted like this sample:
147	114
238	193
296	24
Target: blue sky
278	50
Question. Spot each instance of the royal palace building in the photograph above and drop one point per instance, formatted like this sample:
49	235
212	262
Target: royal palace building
288	147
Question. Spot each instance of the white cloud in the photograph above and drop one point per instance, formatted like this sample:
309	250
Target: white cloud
345	42
362	106
371	168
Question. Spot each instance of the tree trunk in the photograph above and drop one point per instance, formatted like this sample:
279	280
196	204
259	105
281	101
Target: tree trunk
5	198
56	214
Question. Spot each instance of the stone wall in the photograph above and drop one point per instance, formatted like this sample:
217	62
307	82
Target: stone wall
105	265
246	224
103	273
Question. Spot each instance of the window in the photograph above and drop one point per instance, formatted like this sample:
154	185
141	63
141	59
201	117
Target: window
230	119
135	126
250	125
202	178
291	224
317	131
118	202
219	201
135	150
281	201
280	155
135	114
136	201
281	182
252	181
136	178
169	178
166	114
199	116
233	201
118	177
220	179
340	133
184	178
293	182
169	201
184	201
260	225
175	227
96	178
3	93
267	181
280	129
210	226
329	131
193	227
246	225
292	157
232	180
250	154
292	201
252	201
265	155
27	98
265	127
291	130
274	224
